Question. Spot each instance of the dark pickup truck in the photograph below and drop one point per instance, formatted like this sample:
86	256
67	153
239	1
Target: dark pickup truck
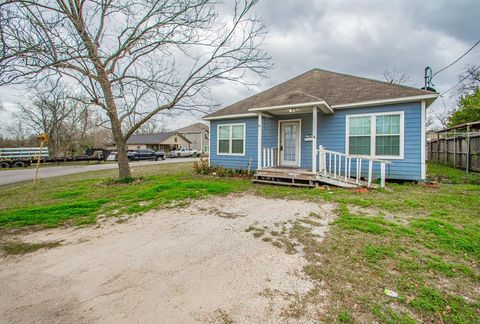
146	154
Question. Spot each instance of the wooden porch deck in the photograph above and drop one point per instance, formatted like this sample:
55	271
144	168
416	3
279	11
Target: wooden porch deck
298	178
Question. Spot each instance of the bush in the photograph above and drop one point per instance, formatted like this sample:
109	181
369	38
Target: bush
201	167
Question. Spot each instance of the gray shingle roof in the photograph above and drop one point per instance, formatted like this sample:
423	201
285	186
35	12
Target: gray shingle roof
316	85
194	128
151	138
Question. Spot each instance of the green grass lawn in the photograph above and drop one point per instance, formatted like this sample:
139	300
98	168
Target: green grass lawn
421	241
79	199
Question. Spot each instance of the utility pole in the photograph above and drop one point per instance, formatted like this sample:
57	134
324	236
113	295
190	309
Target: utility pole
428	78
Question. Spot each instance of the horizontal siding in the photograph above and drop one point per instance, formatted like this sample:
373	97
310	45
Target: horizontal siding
234	161
331	134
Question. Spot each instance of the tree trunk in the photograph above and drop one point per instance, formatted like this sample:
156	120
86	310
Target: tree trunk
123	165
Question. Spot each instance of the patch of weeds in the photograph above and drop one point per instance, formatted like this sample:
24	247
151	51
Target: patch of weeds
369	224
449	269
288	245
442	234
344	317
220	316
257	232
227	215
446	174
274	233
277	244
266	239
24	248
387	315
124	180
376	253
51	215
313	270
314	215
310	222
444	307
73	193
297	307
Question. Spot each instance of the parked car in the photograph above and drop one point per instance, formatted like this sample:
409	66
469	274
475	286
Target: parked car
146	154
112	156
184	152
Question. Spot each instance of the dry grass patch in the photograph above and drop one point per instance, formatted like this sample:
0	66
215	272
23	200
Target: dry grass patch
24	248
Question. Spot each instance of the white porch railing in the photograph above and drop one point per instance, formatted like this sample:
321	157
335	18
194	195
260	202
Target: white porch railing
338	166
270	157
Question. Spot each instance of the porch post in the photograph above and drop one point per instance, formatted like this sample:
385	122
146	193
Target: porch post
314	139
259	144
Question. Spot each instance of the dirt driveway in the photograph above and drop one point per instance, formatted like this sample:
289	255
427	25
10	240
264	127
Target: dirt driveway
180	265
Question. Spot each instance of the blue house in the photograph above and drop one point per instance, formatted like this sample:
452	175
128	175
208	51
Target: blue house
328	127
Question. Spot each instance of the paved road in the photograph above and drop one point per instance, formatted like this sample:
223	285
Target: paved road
19	175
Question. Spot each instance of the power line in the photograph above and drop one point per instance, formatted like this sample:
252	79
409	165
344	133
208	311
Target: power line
458	59
444	105
463	79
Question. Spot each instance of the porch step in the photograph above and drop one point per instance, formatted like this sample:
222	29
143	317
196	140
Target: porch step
287	174
281	183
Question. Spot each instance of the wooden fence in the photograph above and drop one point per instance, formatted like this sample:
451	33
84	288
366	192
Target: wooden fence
460	150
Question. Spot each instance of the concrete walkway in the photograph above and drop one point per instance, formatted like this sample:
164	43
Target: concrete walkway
19	175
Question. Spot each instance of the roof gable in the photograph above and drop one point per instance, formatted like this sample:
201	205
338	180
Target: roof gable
321	85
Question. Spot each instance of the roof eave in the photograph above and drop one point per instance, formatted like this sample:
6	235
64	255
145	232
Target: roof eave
231	116
323	105
429	98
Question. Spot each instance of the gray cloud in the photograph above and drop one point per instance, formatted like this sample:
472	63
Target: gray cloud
363	38
367	37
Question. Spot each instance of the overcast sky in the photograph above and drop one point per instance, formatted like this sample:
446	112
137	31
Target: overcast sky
363	38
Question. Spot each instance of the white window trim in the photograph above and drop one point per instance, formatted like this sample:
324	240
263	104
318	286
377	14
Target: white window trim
373	134
230	139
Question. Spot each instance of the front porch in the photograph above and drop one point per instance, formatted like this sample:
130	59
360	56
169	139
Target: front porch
290	152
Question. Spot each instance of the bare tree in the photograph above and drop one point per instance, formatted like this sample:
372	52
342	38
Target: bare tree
19	134
71	125
470	80
47	113
132	57
153	126
396	76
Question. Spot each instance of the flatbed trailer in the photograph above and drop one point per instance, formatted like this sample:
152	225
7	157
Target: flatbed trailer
21	157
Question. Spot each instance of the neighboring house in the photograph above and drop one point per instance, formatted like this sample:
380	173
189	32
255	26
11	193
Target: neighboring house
358	120
158	142
198	134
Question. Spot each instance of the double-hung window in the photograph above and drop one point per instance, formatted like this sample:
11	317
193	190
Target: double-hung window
231	139
377	135
387	135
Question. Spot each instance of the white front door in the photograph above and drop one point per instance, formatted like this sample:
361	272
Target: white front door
289	143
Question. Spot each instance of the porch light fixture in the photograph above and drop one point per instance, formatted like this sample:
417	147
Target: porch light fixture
292	110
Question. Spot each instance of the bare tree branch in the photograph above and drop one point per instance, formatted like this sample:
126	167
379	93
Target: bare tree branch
132	60
396	76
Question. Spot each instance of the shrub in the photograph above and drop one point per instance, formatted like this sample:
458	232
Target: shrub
201	167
